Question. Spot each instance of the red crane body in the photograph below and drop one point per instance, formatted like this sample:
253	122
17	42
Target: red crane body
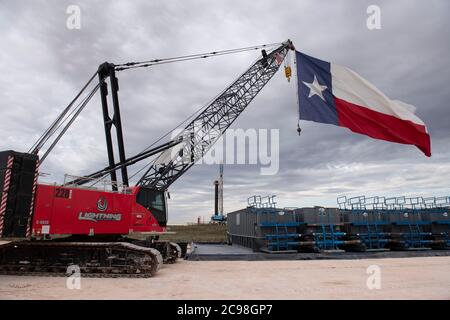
80	211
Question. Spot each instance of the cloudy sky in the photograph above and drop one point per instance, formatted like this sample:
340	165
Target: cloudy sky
43	64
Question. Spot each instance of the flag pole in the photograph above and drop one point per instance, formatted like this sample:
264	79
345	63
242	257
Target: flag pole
299	130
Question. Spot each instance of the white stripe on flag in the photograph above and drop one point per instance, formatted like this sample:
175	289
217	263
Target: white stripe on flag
351	87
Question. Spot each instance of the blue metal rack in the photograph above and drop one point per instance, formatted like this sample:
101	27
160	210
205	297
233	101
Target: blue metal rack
416	237
446	238
445	235
374	237
279	235
413	222
328	238
281	239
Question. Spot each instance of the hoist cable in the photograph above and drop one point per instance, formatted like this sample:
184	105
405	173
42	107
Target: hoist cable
78	109
50	130
198	111
149	63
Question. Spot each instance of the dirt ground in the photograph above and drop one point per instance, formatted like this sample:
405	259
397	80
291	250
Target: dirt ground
401	278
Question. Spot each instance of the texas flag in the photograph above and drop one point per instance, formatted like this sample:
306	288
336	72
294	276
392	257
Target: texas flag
329	93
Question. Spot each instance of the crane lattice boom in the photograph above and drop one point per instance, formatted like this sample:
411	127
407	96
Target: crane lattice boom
202	132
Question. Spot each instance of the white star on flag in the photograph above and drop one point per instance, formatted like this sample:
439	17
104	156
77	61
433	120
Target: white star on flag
315	88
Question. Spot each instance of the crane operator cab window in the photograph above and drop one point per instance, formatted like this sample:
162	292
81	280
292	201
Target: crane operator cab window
154	201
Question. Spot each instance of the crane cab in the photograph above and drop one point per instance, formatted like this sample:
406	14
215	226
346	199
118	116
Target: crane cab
154	201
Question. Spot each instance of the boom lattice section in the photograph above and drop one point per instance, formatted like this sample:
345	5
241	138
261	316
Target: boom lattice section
202	132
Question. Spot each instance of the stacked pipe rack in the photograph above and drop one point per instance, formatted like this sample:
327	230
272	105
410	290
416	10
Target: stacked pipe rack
396	223
264	227
358	224
278	227
320	229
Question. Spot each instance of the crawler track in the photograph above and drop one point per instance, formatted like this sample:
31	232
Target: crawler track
170	251
91	259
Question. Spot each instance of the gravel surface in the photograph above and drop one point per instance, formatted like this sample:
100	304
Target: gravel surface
401	278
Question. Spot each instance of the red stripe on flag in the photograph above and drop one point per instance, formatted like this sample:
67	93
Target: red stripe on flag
382	126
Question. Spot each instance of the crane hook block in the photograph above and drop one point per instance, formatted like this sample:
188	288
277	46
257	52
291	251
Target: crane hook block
288	72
